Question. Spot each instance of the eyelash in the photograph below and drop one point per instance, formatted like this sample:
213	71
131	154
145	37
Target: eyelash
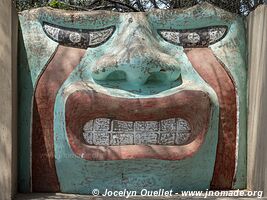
78	38
194	37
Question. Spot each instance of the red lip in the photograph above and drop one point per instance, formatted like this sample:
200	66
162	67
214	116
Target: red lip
85	105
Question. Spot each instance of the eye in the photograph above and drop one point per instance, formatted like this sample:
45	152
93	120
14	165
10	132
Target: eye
79	38
194	37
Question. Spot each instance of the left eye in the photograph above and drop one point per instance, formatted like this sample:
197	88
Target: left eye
79	38
194	37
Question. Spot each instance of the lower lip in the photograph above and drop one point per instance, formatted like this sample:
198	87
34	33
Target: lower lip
86	106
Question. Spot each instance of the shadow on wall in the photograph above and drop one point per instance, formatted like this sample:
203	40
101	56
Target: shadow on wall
25	93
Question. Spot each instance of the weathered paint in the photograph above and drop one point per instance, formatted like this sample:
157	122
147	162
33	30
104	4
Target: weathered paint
217	77
43	148
32	59
84	104
137	72
235	62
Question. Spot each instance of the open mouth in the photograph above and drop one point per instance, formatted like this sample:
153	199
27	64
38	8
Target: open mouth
103	127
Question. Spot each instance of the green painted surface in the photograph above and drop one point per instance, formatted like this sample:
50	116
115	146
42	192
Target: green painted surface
77	175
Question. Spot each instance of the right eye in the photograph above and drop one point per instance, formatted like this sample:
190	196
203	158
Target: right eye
201	37
79	38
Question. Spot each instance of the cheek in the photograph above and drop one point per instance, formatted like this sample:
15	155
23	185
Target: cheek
215	74
57	71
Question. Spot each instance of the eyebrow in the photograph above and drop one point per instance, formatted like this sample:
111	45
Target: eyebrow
196	12
69	17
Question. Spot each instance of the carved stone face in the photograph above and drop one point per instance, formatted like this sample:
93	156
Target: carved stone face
134	100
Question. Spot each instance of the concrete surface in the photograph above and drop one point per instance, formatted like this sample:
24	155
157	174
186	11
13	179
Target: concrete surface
257	126
257	161
7	102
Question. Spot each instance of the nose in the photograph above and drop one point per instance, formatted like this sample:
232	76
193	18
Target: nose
136	58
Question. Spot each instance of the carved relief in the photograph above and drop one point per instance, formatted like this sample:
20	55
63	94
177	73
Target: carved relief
80	38
171	131
194	37
141	94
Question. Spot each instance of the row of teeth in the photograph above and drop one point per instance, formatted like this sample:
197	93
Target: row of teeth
107	132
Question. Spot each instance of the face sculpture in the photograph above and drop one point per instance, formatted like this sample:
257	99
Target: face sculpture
132	100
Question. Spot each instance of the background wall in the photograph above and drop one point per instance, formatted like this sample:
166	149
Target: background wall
257	121
7	100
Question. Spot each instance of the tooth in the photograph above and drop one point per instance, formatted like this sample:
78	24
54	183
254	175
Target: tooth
88	137
183	131
152	126
102	124
101	138
183	125
122	139
146	126
139	126
145	138
181	137
122	126
168	125
166	138
88	126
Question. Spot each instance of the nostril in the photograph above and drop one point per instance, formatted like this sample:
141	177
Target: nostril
116	76
164	76
156	77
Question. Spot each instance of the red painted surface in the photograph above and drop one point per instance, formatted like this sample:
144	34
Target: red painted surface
217	77
44	178
193	106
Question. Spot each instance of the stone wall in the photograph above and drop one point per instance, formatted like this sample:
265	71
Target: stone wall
257	126
7	100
